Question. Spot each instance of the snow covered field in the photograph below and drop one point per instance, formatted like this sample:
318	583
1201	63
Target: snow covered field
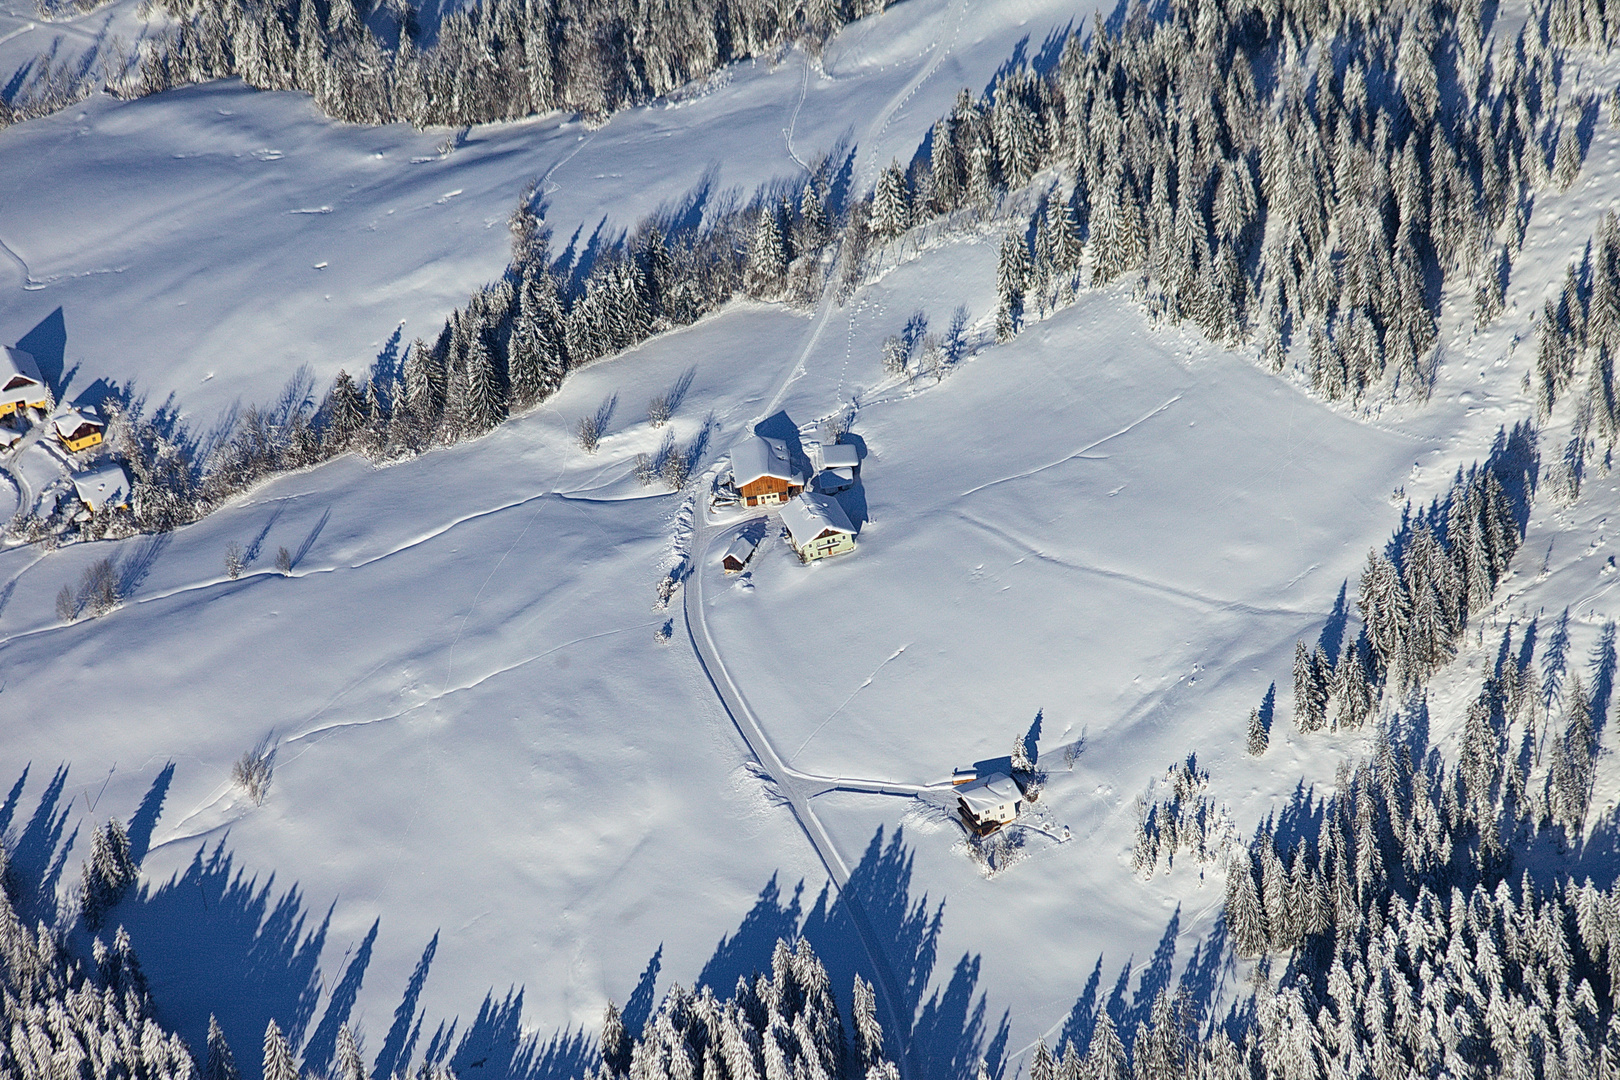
490	778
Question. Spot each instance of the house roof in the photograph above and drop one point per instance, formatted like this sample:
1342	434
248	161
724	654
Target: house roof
808	516
741	548
840	456
72	420
18	362
758	456
989	794
103	484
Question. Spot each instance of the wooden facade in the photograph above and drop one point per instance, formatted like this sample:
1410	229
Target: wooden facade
768	491
85	434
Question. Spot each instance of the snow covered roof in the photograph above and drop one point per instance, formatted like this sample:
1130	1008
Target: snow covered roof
740	550
808	516
72	420
104	484
17	362
758	456
988	794
840	456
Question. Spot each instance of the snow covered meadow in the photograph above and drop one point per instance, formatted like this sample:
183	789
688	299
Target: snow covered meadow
508	785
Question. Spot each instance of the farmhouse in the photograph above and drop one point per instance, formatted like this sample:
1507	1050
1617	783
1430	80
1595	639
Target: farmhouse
736	558
78	431
989	802
762	471
21	385
817	527
105	485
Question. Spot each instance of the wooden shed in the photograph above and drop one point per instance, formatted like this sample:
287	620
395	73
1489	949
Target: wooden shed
737	556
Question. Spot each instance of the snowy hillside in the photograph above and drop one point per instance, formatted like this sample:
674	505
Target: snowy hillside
509	784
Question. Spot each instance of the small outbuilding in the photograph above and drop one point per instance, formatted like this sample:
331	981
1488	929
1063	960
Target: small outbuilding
989	802
763	473
107	484
78	430
21	385
835	466
737	556
817	527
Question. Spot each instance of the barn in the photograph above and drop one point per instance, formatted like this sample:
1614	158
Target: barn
21	385
817	527
763	473
989	802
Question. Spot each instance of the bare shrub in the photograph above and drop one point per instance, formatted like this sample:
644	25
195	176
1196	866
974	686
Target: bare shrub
67	607
233	560
590	434
645	472
284	560
253	771
659	410
98	587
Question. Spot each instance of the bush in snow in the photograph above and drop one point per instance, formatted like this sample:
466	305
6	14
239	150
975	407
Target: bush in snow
253	771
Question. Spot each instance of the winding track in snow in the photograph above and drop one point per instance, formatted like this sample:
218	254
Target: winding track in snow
785	778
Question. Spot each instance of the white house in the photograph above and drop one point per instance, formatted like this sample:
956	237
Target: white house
735	560
107	484
762	471
817	527
21	385
989	802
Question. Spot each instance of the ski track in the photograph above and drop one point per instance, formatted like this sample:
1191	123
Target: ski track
1078	453
1202	599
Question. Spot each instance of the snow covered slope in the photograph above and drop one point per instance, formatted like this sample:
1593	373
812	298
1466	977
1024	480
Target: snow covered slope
482	751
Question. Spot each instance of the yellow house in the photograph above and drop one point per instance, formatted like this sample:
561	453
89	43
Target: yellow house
78	431
21	386
107	484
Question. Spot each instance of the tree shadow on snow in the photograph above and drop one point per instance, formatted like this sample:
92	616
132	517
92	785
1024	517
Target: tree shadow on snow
48	344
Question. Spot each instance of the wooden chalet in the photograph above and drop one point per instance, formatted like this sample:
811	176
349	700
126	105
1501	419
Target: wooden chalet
21	385
77	430
762	471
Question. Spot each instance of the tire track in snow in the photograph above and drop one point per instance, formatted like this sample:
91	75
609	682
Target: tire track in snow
783	777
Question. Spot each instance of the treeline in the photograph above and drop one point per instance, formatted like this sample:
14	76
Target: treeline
506	351
1414	952
1416	597
1396	937
781	1025
1304	177
490	60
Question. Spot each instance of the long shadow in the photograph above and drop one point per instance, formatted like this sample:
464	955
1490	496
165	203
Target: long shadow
748	951
639	1006
213	940
323	1042
407	1026
146	815
39	853
48	344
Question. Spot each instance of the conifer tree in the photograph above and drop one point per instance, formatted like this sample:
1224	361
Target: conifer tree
278	1055
221	1064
